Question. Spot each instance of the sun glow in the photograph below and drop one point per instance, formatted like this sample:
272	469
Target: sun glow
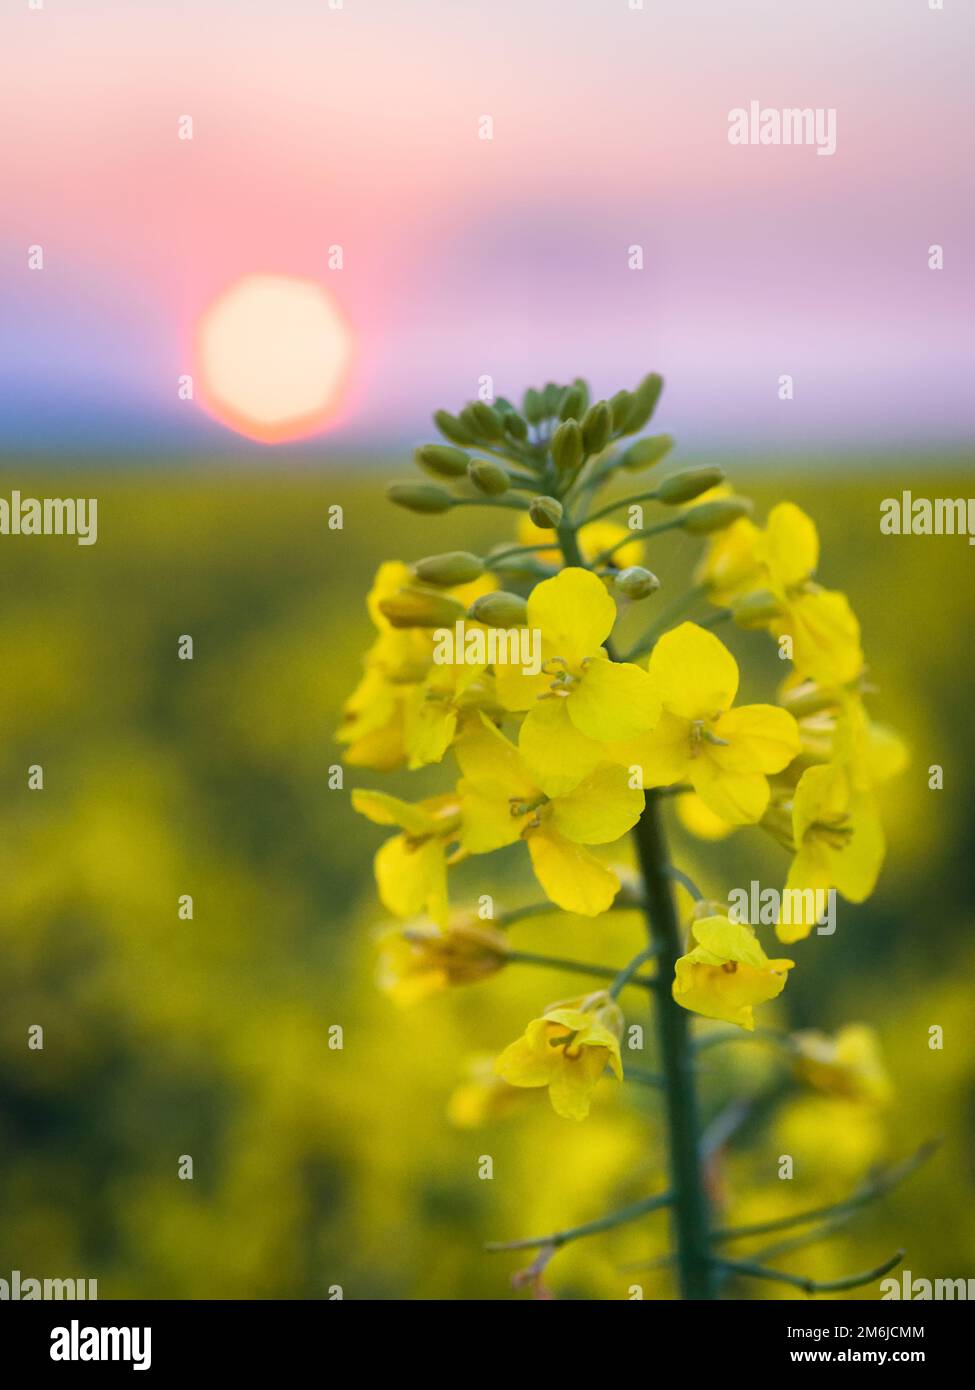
272	354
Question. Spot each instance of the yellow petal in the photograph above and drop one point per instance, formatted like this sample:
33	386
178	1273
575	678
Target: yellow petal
825	636
570	876
529	1061
486	820
554	752
383	809
700	820
663	755
491	762
600	809
857	866
574	1080
614	700
515	690
413	879
760	738
740	798
790	545
574	612
695	674
428	729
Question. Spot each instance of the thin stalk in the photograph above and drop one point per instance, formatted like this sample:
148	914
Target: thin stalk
574	967
589	1228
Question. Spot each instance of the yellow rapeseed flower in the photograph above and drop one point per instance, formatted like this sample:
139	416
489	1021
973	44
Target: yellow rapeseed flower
411	868
848	1064
727	972
502	803
422	959
724	753
839	842
580	700
567	1050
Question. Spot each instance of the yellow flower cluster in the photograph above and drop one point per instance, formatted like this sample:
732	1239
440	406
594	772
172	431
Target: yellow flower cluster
559	753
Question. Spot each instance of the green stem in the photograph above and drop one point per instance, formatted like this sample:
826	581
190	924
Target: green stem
574	967
800	1281
643	534
590	1228
625	976
690	1219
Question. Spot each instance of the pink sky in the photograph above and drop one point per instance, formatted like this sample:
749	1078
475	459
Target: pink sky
507	257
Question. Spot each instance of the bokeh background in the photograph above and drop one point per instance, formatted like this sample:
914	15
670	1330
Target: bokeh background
317	1167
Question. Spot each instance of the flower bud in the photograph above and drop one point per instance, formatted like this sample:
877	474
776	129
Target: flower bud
420	497
456	567
552	398
646	452
451	428
620	408
483	422
645	399
716	515
755	610
567	447
532	407
573	405
636	582
442	459
515	425
596	425
421	608
499	609
684	487
488	477
582	386
545	512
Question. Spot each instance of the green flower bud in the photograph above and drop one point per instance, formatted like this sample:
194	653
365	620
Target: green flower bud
499	609
552	398
451	428
420	497
532	406
573	405
596	426
646	452
716	515
755	610
567	447
620	408
483	421
582	386
684	487
545	512
516	426
442	459
636	582
421	608
488	477
645	399
456	567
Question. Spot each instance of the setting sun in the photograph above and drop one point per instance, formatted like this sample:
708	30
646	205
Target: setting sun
272	355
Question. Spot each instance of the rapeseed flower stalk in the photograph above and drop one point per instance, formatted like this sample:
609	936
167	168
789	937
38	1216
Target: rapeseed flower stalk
550	735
